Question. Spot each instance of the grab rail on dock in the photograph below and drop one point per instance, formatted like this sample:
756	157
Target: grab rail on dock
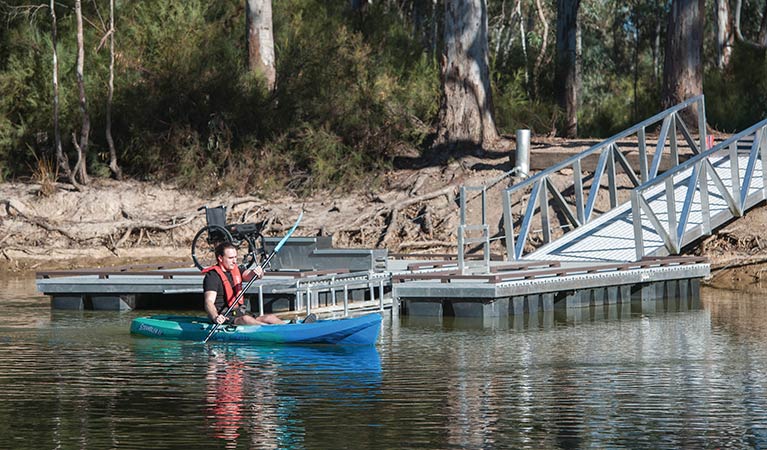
333	285
735	189
539	203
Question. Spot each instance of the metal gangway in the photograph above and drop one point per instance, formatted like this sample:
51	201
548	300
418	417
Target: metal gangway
648	212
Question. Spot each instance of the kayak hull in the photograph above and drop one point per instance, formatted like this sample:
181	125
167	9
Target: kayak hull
362	330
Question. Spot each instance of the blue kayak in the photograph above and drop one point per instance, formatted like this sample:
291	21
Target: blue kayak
362	330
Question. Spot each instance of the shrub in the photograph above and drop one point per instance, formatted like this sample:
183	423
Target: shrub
514	110
737	98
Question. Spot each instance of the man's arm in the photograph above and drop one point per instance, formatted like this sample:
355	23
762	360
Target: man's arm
256	271
210	307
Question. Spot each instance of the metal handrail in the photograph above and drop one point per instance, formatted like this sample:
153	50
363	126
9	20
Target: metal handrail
677	231
465	228
311	289
538	203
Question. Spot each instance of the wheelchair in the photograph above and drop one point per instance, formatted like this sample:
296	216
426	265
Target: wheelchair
217	231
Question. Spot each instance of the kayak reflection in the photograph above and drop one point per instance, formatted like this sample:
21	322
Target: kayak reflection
257	396
253	394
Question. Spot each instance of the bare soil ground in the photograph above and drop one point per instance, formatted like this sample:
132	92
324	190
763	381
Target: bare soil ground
414	210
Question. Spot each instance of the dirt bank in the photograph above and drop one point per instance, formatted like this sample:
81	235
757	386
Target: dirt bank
414	209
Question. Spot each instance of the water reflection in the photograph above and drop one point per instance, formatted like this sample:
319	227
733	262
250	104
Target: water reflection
224	397
662	375
262	396
543	320
611	376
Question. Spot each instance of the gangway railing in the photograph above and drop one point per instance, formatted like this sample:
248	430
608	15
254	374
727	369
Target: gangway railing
307	291
654	204
467	232
545	198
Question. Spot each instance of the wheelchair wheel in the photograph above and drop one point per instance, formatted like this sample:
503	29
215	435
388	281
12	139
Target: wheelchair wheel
204	245
256	250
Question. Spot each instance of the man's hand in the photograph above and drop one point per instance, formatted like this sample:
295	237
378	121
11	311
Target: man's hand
220	319
258	271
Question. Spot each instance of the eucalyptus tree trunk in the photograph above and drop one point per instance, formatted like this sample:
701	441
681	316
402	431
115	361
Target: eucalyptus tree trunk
258	21
82	146
434	29
683	64
113	166
724	36
544	44
466	106
566	72
61	157
656	53
523	42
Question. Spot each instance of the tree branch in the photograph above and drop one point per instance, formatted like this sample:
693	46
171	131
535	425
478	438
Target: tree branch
739	35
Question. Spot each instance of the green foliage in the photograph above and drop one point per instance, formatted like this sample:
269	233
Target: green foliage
187	109
614	52
514	110
22	100
353	88
737	98
616	107
310	158
344	98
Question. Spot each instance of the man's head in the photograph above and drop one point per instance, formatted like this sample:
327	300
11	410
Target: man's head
226	254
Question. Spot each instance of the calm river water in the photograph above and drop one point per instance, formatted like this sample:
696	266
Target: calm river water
663	379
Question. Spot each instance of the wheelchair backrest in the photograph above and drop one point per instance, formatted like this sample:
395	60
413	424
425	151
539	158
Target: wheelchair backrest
216	216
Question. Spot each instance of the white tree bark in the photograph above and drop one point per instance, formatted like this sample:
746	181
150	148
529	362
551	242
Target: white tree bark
656	53
61	157
523	41
724	35
761	42
466	109
113	166
544	44
260	39
82	146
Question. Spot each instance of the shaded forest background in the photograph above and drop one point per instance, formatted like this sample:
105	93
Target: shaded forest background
355	86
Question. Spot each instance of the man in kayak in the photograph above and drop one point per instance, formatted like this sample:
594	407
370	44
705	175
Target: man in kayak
223	283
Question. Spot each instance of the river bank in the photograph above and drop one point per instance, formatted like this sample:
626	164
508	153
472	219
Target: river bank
413	208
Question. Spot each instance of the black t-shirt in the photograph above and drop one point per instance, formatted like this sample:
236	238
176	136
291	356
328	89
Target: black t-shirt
212	282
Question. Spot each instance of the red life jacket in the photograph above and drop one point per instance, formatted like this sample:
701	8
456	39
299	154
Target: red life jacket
230	292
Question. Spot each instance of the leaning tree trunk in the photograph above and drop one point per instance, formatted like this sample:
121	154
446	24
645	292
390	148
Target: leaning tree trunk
724	36
466	106
683	64
544	43
260	40
566	71
61	157
113	166
82	146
